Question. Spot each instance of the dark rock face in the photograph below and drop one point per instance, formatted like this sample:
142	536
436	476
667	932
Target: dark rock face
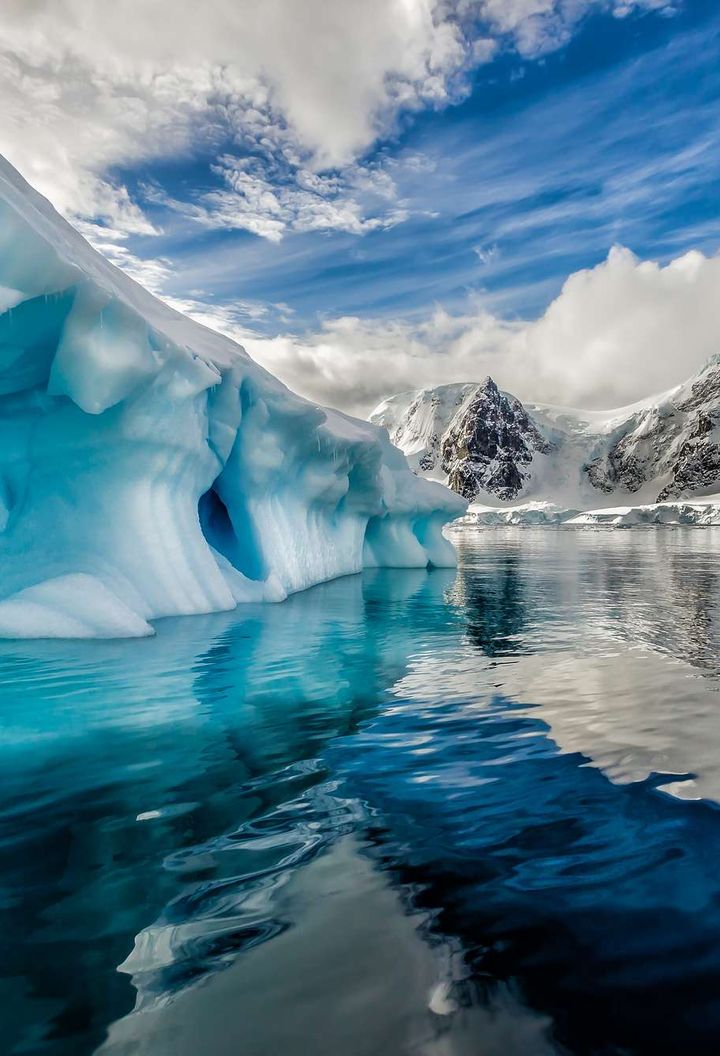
680	442
698	462
634	458
706	390
489	444
429	459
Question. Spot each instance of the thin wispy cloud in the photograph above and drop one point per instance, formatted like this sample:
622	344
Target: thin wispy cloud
360	199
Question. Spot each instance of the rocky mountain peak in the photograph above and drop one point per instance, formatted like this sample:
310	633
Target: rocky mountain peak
678	440
488	444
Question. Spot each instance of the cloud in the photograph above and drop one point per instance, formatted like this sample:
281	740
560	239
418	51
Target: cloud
625	329
362	198
616	333
537	27
87	87
301	87
282	103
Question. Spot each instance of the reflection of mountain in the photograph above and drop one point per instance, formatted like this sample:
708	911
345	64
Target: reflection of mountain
496	607
678	617
503	595
656	590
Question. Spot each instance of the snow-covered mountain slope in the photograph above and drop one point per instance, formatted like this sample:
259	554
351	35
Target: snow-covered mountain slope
417	422
148	467
500	453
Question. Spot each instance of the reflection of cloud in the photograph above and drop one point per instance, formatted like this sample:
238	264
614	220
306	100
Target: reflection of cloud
612	639
371	986
632	714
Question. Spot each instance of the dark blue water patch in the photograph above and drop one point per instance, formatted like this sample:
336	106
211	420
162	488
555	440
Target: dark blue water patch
158	797
601	901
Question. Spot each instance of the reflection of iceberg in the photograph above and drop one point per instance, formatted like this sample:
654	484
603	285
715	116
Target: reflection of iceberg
154	769
149	468
287	683
298	676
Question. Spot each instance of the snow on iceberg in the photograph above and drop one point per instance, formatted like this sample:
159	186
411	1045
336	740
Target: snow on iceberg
148	467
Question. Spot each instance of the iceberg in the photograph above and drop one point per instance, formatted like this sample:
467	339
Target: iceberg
150	468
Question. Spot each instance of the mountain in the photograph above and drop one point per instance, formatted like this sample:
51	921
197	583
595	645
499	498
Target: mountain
496	451
148	467
490	444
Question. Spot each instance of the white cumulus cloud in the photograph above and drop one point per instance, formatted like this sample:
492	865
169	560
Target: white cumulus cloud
615	334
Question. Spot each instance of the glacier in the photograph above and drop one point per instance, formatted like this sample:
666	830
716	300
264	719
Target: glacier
150	468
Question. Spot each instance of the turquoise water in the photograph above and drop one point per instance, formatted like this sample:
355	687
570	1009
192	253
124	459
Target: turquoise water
403	812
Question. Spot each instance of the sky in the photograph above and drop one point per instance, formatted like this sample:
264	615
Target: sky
380	195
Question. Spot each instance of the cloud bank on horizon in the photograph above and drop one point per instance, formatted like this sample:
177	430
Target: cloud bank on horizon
378	196
648	326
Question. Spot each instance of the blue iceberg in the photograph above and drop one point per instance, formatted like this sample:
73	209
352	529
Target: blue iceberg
149	468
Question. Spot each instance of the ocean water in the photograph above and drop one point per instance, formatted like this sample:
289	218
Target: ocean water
404	812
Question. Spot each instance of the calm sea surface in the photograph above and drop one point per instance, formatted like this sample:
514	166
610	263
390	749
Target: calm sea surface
401	813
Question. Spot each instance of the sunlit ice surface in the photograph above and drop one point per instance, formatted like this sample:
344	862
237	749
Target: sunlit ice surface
440	812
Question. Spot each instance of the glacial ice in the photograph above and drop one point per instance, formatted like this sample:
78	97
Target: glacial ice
703	511
148	467
72	606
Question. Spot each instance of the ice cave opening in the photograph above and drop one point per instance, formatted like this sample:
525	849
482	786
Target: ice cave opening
235	541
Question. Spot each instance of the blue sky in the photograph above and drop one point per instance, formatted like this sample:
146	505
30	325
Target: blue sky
614	138
440	196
